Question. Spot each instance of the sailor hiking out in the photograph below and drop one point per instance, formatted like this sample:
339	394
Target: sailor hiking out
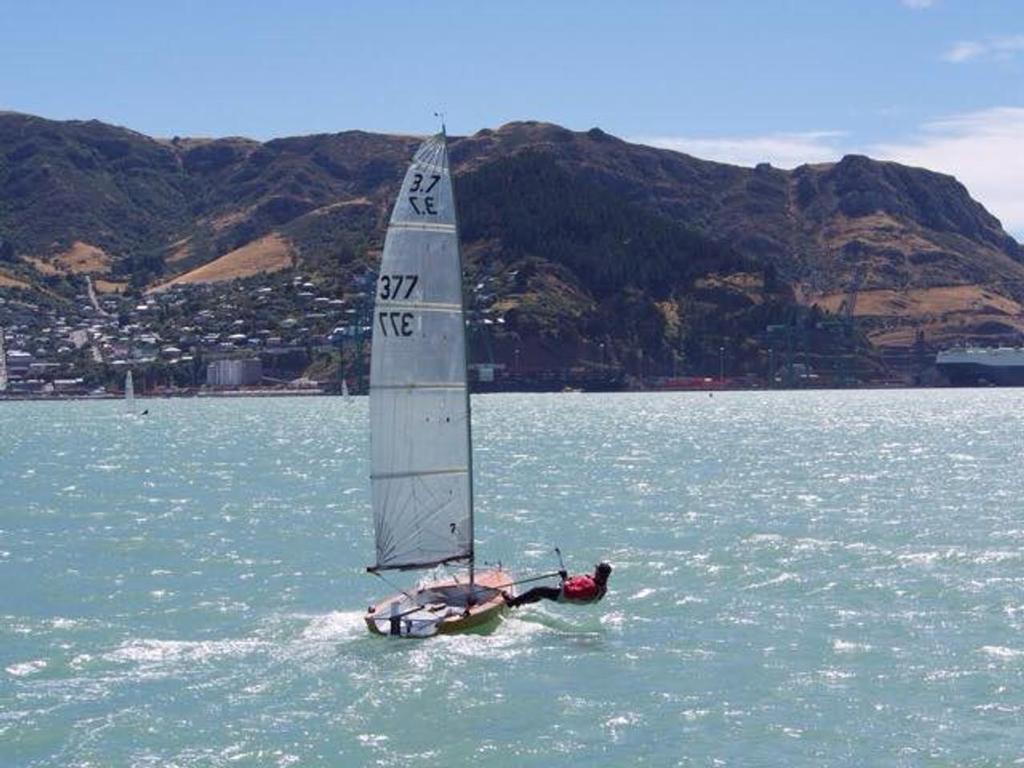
581	590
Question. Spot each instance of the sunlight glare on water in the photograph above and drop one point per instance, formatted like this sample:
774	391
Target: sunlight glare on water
802	578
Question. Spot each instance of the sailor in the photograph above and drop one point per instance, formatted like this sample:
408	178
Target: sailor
582	589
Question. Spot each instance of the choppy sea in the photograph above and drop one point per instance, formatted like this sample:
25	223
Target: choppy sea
801	579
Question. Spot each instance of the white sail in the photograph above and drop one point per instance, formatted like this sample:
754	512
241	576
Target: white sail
421	474
129	393
3	363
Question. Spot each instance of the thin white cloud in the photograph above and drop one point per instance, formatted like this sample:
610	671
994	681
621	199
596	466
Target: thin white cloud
918	5
783	150
998	48
984	150
1007	46
965	50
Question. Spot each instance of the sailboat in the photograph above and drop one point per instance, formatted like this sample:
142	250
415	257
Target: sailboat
421	446
129	393
3	363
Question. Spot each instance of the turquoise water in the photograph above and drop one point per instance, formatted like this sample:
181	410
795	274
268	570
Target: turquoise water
801	579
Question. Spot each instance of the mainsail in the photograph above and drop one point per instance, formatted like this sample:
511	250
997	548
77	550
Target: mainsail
421	456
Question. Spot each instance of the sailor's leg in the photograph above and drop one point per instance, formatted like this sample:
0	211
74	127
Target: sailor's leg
535	594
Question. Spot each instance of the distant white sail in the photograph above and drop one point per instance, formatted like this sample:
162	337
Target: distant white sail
129	393
3	363
421	474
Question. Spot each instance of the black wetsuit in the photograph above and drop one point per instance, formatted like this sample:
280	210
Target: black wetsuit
535	594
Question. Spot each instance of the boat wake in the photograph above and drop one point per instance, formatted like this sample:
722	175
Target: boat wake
590	626
335	627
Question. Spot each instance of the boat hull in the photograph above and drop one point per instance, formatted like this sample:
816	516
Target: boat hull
979	366
968	375
444	610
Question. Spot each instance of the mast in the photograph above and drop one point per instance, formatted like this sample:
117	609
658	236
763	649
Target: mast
469	411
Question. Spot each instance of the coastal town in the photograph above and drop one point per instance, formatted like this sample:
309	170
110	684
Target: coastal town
293	334
296	334
244	336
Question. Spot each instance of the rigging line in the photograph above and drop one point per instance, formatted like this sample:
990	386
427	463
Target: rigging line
453	574
380	576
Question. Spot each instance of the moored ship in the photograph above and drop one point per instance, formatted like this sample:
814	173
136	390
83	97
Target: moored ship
971	366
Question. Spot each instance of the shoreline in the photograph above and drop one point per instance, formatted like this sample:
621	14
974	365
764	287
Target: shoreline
245	393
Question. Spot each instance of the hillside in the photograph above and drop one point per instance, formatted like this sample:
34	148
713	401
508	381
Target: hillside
589	249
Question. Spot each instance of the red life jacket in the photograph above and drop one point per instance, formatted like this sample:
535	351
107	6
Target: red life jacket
581	589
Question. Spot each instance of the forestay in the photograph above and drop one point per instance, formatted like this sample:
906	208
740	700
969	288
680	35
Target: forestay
419	407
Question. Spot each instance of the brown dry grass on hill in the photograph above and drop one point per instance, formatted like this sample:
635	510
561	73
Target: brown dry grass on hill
270	253
109	286
80	258
6	281
180	250
750	285
946	331
355	202
226	220
40	266
918	302
878	230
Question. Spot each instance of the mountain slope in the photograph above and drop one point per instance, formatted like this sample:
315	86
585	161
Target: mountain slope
588	242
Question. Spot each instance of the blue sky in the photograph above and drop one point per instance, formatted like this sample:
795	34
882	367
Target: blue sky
937	83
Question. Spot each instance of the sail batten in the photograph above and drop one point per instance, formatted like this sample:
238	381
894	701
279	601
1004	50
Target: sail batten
426	306
423	385
424	227
419	412
450	471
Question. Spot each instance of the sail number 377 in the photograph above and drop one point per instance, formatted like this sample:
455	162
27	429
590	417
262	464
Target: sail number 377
396	288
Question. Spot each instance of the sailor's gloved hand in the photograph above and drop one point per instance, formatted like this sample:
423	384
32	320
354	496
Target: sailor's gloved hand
564	575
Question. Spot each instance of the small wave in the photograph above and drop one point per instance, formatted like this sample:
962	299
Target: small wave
961	457
646	592
780	579
921	558
630	718
845	646
692	715
995	556
1001	652
690	599
81	660
832	675
163	652
615	725
764	538
813	545
615	619
26	668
